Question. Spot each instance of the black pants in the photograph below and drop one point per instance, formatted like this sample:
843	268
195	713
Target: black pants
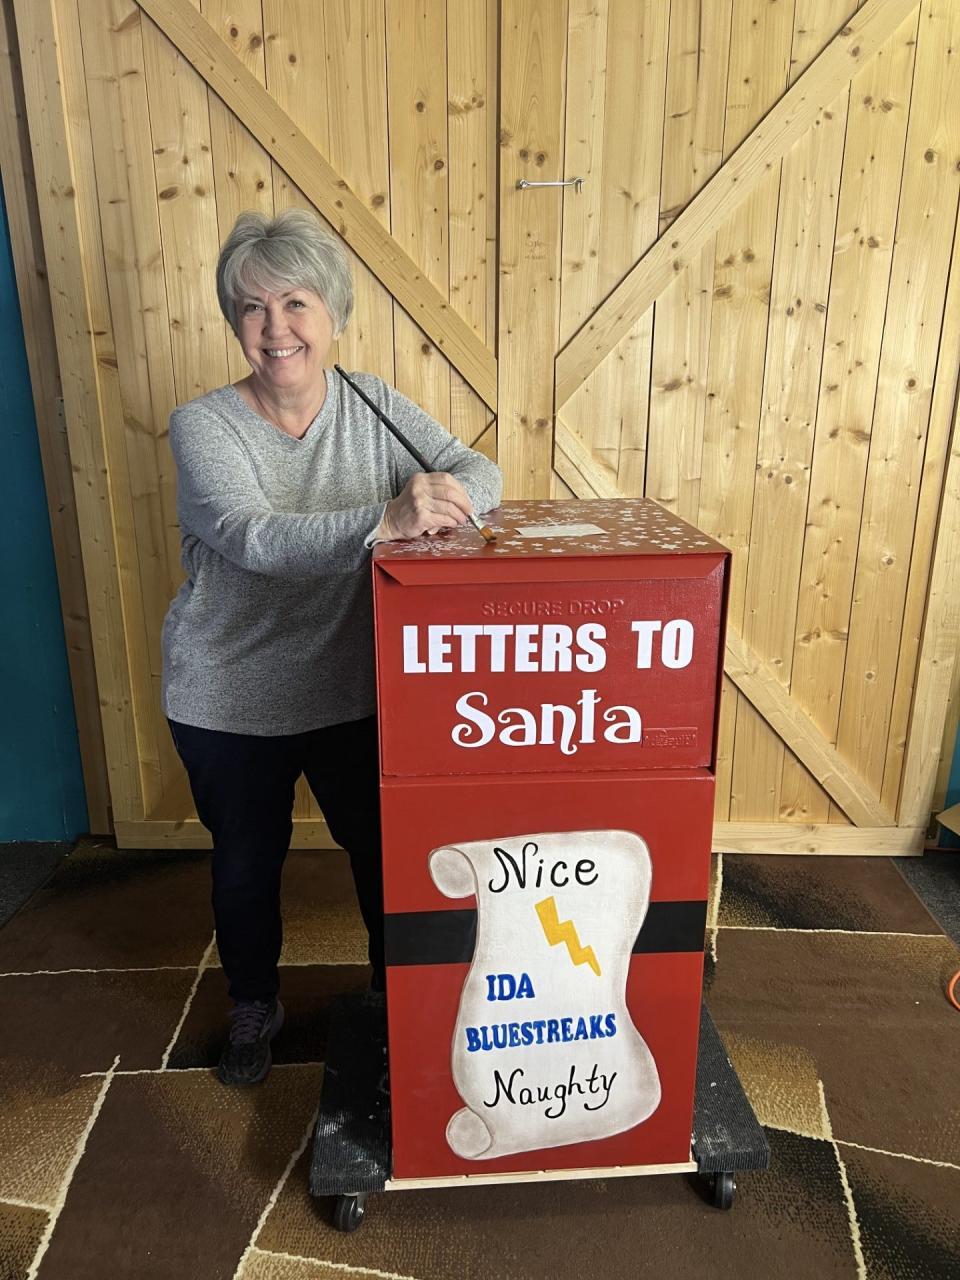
243	789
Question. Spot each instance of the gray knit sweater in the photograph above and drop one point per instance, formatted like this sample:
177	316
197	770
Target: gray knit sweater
272	631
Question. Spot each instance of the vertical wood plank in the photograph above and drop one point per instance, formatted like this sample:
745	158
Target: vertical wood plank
358	147
924	690
936	679
590	412
532	59
585	125
863	251
760	50
493	172
26	238
419	160
71	248
948	742
471	118
241	167
153	740
180	121
924	239
692	151
296	69
610	410
129	218
635	32
177	113
800	287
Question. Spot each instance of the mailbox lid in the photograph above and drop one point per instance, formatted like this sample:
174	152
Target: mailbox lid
533	530
432	939
568	650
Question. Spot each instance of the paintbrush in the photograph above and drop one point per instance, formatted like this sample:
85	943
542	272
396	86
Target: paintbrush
484	530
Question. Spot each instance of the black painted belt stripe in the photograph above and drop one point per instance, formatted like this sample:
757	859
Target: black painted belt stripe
448	937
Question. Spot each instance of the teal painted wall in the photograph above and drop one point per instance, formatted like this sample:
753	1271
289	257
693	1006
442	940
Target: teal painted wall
41	781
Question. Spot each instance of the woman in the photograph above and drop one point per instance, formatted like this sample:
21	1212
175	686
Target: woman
286	480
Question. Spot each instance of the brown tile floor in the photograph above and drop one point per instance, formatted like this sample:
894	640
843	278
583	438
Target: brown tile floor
109	909
126	1215
122	1158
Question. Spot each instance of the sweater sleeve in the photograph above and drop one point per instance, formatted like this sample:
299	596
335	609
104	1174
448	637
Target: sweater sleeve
479	476
220	501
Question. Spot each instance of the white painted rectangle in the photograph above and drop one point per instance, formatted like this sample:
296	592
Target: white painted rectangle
557	530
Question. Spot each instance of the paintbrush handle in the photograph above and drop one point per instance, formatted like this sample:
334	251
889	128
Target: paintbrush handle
483	530
394	431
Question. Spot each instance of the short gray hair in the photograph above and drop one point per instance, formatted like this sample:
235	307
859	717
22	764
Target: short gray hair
289	251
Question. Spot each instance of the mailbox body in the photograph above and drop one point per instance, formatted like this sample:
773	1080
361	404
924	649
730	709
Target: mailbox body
563	681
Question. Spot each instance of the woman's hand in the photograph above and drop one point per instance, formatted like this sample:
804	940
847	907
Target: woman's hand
430	501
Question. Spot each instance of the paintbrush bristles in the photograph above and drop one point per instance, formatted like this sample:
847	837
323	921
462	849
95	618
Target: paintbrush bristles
483	529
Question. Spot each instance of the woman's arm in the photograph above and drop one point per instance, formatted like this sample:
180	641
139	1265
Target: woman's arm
220	501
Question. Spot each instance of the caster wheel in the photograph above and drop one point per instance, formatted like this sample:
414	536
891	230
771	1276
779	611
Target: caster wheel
348	1211
724	1187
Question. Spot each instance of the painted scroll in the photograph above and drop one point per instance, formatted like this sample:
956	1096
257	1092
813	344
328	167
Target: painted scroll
544	1049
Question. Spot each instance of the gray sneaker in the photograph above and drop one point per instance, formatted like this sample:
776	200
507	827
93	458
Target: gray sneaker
246	1056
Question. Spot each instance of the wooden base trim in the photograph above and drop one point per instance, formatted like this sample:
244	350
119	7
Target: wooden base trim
543	1175
187	833
821	837
728	837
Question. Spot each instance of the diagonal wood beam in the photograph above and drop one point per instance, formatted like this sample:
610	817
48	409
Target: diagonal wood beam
795	112
245	96
800	734
752	676
576	465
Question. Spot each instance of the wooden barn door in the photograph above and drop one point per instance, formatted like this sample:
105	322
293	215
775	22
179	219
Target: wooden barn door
741	311
748	309
153	123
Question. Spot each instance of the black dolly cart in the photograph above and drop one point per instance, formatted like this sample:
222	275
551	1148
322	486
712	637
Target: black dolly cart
352	1150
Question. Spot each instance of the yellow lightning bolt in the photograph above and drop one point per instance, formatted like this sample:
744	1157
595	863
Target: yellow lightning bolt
558	931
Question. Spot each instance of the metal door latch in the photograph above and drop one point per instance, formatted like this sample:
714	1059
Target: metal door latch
522	183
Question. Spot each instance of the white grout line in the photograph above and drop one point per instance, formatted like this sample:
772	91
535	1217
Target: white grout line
56	973
25	1204
186	1008
275	1194
852	933
860	1146
345	1267
180	968
184	1071
847	1192
146	1071
61	1199
714	924
898	1155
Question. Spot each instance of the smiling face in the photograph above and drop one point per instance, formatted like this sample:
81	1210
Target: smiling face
286	338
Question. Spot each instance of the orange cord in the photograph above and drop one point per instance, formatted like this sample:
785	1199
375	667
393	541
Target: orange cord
952	990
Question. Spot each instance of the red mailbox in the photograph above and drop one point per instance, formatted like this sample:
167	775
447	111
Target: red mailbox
547	731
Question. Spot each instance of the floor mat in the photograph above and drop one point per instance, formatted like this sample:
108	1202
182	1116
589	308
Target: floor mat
121	1155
